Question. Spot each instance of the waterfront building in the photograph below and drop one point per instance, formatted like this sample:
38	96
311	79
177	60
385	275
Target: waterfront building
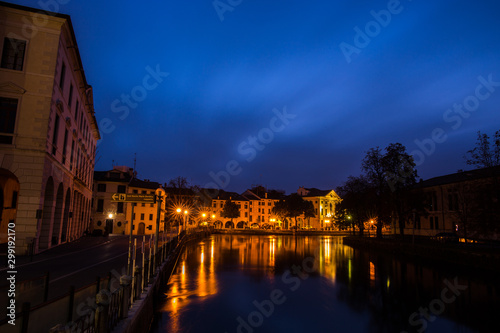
48	130
324	202
465	202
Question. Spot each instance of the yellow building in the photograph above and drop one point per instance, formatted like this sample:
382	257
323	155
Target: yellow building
324	202
48	130
112	217
256	208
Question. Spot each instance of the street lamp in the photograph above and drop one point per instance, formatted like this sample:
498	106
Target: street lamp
185	219
178	210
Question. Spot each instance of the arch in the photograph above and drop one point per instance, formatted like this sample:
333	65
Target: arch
58	215
45	230
218	224
255	225
65	224
141	229
229	225
9	193
241	225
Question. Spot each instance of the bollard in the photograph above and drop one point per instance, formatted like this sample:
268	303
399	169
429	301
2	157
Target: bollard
126	289
102	312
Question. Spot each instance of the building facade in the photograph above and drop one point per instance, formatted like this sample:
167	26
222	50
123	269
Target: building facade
48	130
465	202
113	217
256	209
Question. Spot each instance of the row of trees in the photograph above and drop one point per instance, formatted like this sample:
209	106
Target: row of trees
382	192
386	190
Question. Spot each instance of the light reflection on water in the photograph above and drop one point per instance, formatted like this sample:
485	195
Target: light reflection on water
245	283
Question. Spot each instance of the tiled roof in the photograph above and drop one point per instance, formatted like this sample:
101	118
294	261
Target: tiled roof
144	184
314	192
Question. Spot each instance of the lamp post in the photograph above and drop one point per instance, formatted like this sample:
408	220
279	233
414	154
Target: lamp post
185	219
178	210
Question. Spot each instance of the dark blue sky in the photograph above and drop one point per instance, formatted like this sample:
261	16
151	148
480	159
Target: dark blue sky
399	80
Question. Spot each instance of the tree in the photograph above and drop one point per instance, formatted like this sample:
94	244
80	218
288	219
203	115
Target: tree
295	206
486	153
230	210
280	209
373	167
309	211
391	176
358	200
178	182
400	173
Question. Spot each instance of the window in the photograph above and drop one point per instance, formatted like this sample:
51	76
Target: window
101	187
76	110
71	158
64	146
13	53
431	220
63	76
121	188
436	223
246	214
151	205
142	216
55	135
100	205
8	110
119	208
151	217
134	191
143	205
70	98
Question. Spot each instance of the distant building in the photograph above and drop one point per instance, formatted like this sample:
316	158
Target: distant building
467	202
324	202
108	216
113	217
48	130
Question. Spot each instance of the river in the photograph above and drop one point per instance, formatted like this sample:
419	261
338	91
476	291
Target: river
250	283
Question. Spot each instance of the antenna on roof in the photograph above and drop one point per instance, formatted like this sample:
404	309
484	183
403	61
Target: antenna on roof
135	162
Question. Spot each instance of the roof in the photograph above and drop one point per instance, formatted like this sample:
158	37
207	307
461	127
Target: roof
314	192
233	196
112	176
144	184
461	176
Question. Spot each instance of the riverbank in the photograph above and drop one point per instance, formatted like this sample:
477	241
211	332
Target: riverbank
280	232
468	256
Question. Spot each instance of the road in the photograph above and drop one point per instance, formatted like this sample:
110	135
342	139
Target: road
77	264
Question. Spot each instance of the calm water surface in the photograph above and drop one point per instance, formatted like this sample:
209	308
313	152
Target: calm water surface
240	283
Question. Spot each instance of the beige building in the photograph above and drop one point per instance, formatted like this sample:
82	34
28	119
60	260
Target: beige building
48	130
112	217
324	202
256	208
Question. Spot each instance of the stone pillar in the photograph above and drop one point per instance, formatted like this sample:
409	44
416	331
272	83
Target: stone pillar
126	285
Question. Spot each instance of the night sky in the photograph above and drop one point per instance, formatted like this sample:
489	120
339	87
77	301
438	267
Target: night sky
286	93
